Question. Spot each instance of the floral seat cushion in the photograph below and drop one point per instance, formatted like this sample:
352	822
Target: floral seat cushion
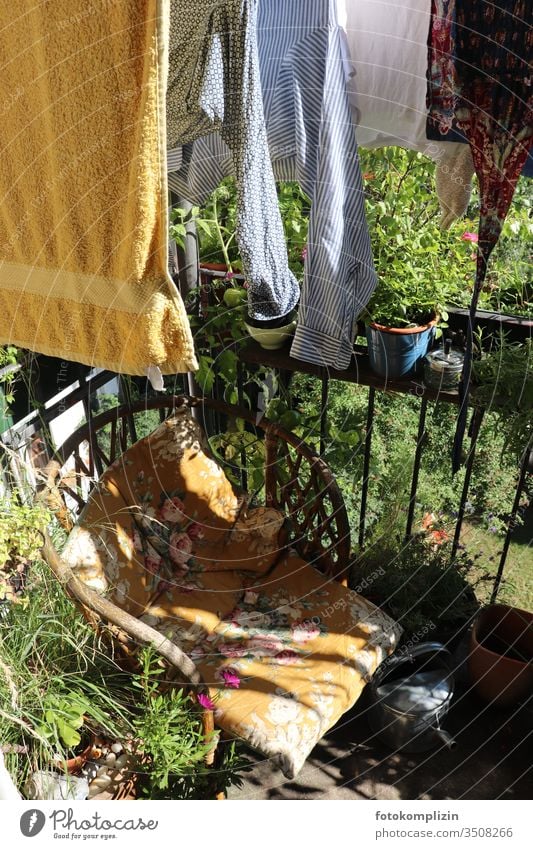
286	661
284	651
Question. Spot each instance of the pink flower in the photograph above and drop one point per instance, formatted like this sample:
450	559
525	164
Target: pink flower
152	563
304	253
469	237
230	275
228	675
287	657
205	701
195	531
304	631
179	548
232	649
265	645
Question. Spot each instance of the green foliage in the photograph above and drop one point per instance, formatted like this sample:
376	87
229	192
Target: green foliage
504	385
169	730
64	715
8	357
394	434
215	224
421	268
54	671
418	586
171	739
21	526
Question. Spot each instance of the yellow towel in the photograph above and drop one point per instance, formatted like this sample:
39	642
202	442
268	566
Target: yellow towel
83	196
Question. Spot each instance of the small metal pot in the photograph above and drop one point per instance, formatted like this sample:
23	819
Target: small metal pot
410	693
443	367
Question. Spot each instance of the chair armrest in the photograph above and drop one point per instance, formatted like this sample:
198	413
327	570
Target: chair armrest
139	631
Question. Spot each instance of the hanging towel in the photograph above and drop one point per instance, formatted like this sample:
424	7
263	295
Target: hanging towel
214	85
83	212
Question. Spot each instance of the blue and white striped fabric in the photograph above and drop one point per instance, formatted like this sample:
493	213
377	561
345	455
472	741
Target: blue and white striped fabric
311	139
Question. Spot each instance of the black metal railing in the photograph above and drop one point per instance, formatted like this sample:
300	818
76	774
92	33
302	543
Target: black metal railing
37	422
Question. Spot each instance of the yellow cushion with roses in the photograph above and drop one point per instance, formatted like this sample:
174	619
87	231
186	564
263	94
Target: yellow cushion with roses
164	514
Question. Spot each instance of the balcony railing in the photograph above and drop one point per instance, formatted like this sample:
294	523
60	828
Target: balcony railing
32	438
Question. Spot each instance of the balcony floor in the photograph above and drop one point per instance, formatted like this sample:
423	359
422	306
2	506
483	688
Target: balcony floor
492	759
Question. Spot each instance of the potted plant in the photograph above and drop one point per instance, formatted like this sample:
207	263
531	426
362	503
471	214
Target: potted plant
420	268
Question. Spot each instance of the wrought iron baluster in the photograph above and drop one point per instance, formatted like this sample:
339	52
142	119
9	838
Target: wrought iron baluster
475	425
324	413
420	442
511	524
366	464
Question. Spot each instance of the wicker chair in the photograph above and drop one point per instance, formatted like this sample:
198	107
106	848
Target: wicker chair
297	482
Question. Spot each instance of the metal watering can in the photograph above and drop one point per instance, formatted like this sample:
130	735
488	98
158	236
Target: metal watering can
409	695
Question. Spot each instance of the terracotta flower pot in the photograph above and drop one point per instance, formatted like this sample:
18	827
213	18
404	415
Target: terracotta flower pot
501	654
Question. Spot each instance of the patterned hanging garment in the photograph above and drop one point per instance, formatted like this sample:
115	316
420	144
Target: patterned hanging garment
480	84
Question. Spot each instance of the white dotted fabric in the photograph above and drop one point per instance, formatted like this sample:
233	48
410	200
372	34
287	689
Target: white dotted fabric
214	85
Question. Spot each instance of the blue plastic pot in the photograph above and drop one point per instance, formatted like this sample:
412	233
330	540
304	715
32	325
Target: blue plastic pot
398	352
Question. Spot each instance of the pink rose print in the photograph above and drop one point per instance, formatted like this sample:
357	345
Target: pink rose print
250	597
265	645
304	631
179	548
286	657
152	563
228	675
232	649
197	653
195	531
172	510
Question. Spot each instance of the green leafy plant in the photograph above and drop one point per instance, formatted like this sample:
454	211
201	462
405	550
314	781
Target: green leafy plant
64	715
419	587
21	526
169	730
421	269
504	385
215	224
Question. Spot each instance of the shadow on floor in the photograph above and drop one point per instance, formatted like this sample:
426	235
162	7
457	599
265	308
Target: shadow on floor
491	760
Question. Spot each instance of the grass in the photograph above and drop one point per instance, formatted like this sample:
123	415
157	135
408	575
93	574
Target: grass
517	586
50	656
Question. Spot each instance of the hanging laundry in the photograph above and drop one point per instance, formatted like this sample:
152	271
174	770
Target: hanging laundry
213	47
480	81
83	218
387	42
302	55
